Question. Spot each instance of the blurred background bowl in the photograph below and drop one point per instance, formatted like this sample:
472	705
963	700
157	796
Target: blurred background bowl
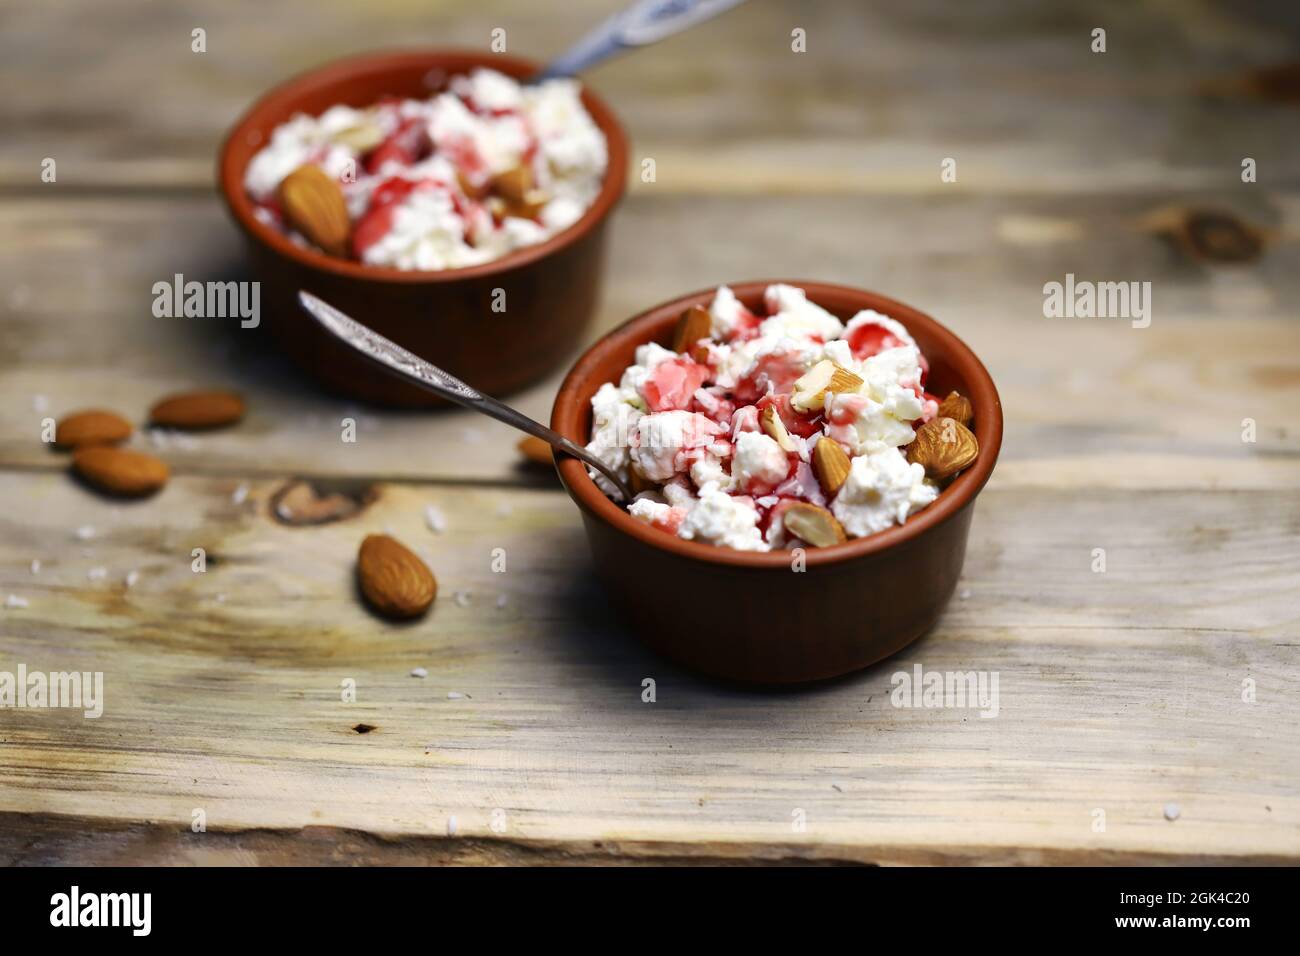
446	316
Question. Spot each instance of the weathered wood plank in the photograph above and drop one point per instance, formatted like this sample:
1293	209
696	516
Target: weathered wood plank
1010	89
1159	406
1119	691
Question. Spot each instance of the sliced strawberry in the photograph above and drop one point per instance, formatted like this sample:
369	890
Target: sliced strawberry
709	402
464	155
391	190
745	327
672	384
845	409
372	227
671	521
869	339
407	144
771	372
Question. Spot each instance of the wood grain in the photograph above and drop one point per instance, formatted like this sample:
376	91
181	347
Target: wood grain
884	92
80	332
1119	691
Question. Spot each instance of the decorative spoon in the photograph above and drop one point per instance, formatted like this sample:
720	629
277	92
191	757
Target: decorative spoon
398	361
643	23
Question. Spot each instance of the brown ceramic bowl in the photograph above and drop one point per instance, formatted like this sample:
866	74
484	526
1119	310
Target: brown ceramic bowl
747	616
444	316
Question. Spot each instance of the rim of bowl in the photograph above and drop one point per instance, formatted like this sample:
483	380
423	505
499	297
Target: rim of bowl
568	415
230	174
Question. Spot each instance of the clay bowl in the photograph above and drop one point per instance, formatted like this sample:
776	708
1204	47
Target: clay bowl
445	316
748	616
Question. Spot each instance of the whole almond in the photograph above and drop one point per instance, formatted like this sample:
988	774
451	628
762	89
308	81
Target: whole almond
394	581
91	427
695	324
770	420
958	407
943	446
813	524
197	410
313	204
831	464
536	450
118	471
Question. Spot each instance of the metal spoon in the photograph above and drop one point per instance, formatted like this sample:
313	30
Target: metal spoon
429	377
643	23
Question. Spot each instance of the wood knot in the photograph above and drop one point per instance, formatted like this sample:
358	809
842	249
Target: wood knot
302	502
1208	235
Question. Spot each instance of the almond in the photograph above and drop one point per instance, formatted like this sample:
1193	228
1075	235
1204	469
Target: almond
118	471
775	428
514	184
810	389
196	410
313	204
91	427
536	451
392	579
530	207
831	464
943	446
695	324
362	137
958	407
813	524
469	188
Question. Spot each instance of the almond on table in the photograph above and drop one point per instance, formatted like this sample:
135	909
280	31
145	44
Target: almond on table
393	580
118	471
536	450
198	410
91	427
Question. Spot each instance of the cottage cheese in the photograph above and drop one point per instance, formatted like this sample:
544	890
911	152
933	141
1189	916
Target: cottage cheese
691	424
418	176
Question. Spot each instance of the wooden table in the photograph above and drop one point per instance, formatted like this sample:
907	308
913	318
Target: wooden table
1124	694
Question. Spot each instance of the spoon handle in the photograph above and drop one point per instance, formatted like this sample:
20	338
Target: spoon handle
429	377
641	24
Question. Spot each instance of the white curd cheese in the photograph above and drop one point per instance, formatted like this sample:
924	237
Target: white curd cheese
723	519
759	462
882	489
